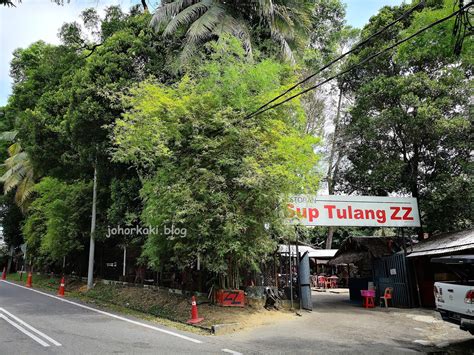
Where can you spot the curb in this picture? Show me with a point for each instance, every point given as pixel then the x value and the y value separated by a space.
pixel 221 329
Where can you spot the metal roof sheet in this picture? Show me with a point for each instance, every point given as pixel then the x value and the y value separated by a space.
pixel 444 244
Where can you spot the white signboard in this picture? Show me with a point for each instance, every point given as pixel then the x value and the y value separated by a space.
pixel 354 211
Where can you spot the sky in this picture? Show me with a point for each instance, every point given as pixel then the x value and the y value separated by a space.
pixel 34 20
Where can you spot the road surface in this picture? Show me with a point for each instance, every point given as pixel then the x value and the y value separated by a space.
pixel 34 322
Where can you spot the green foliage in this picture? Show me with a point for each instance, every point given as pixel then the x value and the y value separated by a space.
pixel 329 33
pixel 409 129
pixel 283 22
pixel 125 202
pixel 11 219
pixel 436 45
pixel 209 170
pixel 57 222
pixel 19 174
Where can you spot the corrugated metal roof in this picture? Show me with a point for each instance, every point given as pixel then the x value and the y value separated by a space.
pixel 444 244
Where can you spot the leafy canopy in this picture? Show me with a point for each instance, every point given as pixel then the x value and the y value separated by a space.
pixel 409 129
pixel 285 22
pixel 58 222
pixel 207 169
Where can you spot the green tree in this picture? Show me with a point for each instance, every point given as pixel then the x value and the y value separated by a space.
pixel 66 97
pixel 11 219
pixel 58 219
pixel 208 170
pixel 282 21
pixel 409 129
pixel 19 174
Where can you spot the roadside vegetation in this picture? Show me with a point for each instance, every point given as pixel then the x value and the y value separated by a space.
pixel 157 305
pixel 159 107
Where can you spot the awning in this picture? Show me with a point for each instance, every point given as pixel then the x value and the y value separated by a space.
pixel 446 243
pixel 348 258
pixel 439 251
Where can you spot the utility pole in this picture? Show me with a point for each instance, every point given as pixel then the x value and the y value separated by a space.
pixel 90 271
pixel 298 266
pixel 290 272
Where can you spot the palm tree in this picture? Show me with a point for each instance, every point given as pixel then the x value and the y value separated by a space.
pixel 19 172
pixel 284 21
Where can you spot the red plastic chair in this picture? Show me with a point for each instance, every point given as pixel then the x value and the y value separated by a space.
pixel 387 295
pixel 333 280
pixel 322 281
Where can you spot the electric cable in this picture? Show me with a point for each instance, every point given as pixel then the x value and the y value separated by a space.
pixel 421 4
pixel 365 60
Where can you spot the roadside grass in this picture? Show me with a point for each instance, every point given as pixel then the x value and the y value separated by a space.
pixel 156 305
pixel 107 298
pixel 153 302
pixel 40 281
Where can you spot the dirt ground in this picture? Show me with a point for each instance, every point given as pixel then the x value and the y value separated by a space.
pixel 177 307
pixel 339 326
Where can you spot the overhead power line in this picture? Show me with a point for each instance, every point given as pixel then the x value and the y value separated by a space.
pixel 421 4
pixel 363 61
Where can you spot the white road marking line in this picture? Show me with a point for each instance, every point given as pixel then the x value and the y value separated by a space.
pixel 18 320
pixel 231 352
pixel 110 314
pixel 23 330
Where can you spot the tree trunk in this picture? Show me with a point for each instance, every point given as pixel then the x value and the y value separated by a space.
pixel 333 168
pixel 145 6
pixel 415 192
pixel 10 259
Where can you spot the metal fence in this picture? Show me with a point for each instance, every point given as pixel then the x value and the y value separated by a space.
pixel 395 271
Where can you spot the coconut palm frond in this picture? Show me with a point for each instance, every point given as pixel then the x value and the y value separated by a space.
pixel 19 175
pixel 239 29
pixel 6 175
pixel 167 11
pixel 285 29
pixel 282 12
pixel 187 16
pixel 19 158
pixel 266 8
pixel 24 190
pixel 285 48
pixel 285 20
pixel 8 136
pixel 11 182
pixel 14 149
pixel 300 18
pixel 204 25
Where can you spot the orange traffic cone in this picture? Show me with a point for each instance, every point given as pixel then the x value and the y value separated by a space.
pixel 4 273
pixel 194 313
pixel 61 288
pixel 29 280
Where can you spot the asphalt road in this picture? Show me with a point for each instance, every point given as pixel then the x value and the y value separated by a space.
pixel 33 322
